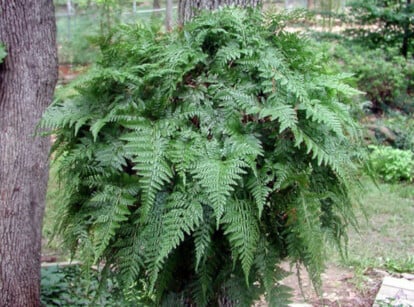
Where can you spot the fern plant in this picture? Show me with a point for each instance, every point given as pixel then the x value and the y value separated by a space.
pixel 191 163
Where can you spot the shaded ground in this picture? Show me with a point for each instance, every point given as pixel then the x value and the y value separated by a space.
pixel 341 288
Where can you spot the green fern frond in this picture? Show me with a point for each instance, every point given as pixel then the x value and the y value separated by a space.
pixel 285 114
pixel 241 228
pixel 183 217
pixel 148 151
pixel 243 146
pixel 218 178
pixel 258 187
pixel 336 83
pixel 202 287
pixel 266 263
pixel 305 224
pixel 202 238
pixel 318 151
pixel 72 113
pixel 127 254
pixel 184 152
pixel 234 99
pixel 229 53
pixel 319 113
pixel 112 209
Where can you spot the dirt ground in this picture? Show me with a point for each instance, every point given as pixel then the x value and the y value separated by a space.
pixel 341 288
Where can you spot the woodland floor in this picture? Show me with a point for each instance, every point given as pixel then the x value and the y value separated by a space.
pixel 341 288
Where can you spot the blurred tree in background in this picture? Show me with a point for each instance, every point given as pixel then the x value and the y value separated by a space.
pixel 384 23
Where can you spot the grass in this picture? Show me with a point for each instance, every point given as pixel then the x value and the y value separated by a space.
pixel 386 234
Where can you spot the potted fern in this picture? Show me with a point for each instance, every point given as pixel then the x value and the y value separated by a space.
pixel 193 162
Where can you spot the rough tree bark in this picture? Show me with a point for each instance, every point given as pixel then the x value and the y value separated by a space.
pixel 187 9
pixel 27 79
pixel 168 14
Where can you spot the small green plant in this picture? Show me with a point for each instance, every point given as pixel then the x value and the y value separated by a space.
pixel 392 164
pixel 191 163
pixel 389 302
pixel 400 265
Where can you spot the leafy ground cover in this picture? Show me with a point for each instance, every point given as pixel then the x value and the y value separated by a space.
pixel 65 286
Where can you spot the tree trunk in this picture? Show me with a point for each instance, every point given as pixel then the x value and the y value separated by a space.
pixel 156 6
pixel 27 79
pixel 134 7
pixel 310 4
pixel 168 14
pixel 69 7
pixel 407 33
pixel 189 8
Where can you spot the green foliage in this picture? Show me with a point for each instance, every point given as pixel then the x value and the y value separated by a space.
pixel 396 129
pixel 194 161
pixel 75 45
pixel 3 52
pixel 403 127
pixel 384 23
pixel 392 164
pixel 67 286
pixel 385 77
pixel 400 266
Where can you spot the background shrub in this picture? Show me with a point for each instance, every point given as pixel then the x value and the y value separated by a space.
pixel 386 77
pixel 69 287
pixel 383 24
pixel 392 164
pixel 399 131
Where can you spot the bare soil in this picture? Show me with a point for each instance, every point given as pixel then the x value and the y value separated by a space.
pixel 340 288
pixel 68 72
